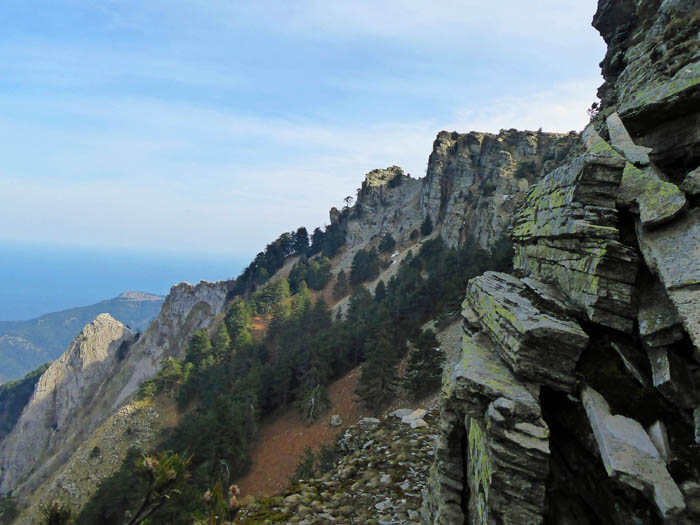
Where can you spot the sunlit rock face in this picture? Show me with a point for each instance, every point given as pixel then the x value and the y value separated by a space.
pixel 64 389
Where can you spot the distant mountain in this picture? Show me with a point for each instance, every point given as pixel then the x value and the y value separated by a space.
pixel 25 345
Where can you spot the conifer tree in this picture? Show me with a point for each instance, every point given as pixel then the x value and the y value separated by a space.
pixel 425 361
pixel 341 285
pixel 387 244
pixel 221 340
pixel 378 380
pixel 380 292
pixel 427 227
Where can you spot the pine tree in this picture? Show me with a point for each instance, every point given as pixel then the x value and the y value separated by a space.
pixel 341 285
pixel 387 244
pixel 425 361
pixel 427 227
pixel 221 340
pixel 199 348
pixel 378 380
pixel 301 241
pixel 380 292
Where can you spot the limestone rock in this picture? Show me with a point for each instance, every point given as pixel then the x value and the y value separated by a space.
pixel 673 253
pixel 63 391
pixel 475 181
pixel 652 72
pixel 646 191
pixel 630 456
pixel 336 420
pixel 481 377
pixel 655 200
pixel 622 142
pixel 534 341
pixel 507 456
pixel 387 202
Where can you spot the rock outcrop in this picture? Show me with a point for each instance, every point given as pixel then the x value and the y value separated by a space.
pixel 95 377
pixel 591 352
pixel 46 430
pixel 473 184
pixel 475 181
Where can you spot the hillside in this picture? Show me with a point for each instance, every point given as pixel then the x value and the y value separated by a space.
pixel 542 287
pixel 25 345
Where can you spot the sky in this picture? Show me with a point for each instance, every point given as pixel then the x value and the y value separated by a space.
pixel 211 126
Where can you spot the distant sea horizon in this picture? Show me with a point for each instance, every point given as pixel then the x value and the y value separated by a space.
pixel 40 277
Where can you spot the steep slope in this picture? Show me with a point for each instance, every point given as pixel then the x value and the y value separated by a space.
pixel 46 426
pixel 576 395
pixel 25 345
pixel 104 387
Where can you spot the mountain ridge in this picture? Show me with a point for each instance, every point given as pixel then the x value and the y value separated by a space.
pixel 26 345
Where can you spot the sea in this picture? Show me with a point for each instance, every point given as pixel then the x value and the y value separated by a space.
pixel 39 278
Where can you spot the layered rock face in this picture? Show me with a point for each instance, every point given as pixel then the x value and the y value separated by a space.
pixel 576 396
pixel 386 202
pixel 186 309
pixel 94 378
pixel 474 183
pixel 64 389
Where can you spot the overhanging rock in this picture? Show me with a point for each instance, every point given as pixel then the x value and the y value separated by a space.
pixel 536 342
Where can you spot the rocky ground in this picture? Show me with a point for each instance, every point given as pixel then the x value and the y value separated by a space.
pixel 378 480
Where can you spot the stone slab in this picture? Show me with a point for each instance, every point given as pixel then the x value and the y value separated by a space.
pixel 629 455
pixel 536 342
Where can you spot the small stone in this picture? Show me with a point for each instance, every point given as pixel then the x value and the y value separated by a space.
pixel 383 505
pixel 336 420
pixel 402 412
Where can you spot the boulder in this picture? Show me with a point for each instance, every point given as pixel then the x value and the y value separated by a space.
pixel 630 456
pixel 336 420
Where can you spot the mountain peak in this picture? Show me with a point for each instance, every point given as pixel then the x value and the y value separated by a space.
pixel 131 295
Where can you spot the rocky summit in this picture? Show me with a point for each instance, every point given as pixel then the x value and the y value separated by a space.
pixel 570 393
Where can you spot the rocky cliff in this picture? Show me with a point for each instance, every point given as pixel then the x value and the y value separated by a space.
pixel 96 376
pixel 576 396
pixel 46 431
pixel 473 184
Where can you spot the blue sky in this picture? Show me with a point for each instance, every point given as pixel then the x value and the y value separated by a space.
pixel 212 126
